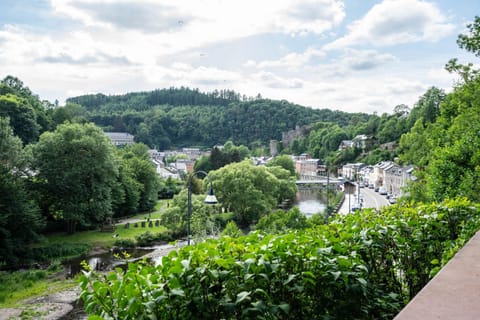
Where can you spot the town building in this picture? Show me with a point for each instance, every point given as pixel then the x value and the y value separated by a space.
pixel 120 138
pixel 397 178
pixel 350 170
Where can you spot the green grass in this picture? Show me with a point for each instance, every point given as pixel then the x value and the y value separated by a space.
pixel 97 238
pixel 156 213
pixel 101 239
pixel 20 285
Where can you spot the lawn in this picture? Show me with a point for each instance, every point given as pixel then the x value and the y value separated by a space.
pixel 155 214
pixel 96 238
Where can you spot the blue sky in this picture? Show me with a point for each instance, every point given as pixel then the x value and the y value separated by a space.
pixel 351 55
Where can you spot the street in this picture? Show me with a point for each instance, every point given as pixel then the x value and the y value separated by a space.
pixel 371 199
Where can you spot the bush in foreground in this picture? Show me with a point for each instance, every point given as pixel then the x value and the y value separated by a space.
pixel 365 265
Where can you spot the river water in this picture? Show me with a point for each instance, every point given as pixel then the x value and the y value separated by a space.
pixel 310 202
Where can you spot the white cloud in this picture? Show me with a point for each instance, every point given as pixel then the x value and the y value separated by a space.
pixel 394 22
pixel 185 24
pixel 364 59
pixel 272 80
pixel 292 60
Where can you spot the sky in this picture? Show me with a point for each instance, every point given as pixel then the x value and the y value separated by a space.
pixel 352 55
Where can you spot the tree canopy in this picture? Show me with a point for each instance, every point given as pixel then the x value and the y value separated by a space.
pixel 252 191
pixel 77 171
pixel 20 219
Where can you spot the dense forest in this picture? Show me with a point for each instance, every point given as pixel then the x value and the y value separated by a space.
pixel 178 117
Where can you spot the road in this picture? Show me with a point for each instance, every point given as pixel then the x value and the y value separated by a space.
pixel 371 199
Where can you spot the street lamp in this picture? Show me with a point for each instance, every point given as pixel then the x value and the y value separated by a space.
pixel 210 199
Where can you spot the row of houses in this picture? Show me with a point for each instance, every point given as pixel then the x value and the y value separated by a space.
pixel 386 174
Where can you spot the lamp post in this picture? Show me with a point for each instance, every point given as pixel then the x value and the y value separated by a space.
pixel 210 199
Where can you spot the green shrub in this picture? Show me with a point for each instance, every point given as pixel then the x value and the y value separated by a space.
pixel 124 243
pixel 58 250
pixel 222 219
pixel 145 239
pixel 365 265
pixel 232 230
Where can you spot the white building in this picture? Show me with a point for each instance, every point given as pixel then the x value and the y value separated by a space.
pixel 120 138
pixel 350 170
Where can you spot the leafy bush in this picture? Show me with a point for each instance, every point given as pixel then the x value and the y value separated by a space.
pixel 145 239
pixel 58 250
pixel 365 265
pixel 222 219
pixel 280 221
pixel 124 243
pixel 148 238
pixel 232 230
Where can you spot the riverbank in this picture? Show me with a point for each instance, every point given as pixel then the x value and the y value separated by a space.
pixel 53 306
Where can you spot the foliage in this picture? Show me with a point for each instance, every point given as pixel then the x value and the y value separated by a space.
pixel 22 117
pixel 446 151
pixel 360 266
pixel 20 219
pixel 232 230
pixel 251 191
pixel 137 159
pixel 221 157
pixel 285 162
pixel 27 114
pixel 76 173
pixel 124 243
pixel 471 43
pixel 186 117
pixel 145 239
pixel 51 252
pixel 202 221
pixel 168 188
pixel 281 221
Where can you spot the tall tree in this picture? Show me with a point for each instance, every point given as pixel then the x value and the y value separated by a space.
pixel 22 117
pixel 77 170
pixel 285 162
pixel 20 219
pixel 250 191
pixel 137 159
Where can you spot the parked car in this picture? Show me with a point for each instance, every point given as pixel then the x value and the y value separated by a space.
pixel 382 191
pixel 370 186
pixel 377 189
pixel 392 200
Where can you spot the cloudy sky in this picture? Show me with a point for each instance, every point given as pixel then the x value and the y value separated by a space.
pixel 351 55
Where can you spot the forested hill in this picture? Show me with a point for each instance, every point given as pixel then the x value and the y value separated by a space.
pixel 144 100
pixel 167 118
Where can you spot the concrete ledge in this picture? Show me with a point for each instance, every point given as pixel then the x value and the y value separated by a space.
pixel 454 293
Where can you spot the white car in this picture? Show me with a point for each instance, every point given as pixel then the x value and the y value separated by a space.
pixel 382 190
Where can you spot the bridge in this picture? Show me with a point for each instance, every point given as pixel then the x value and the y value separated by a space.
pixel 317 183
pixel 318 180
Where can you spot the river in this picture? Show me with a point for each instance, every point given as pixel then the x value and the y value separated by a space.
pixel 310 202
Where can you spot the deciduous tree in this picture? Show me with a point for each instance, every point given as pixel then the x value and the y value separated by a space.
pixel 77 170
